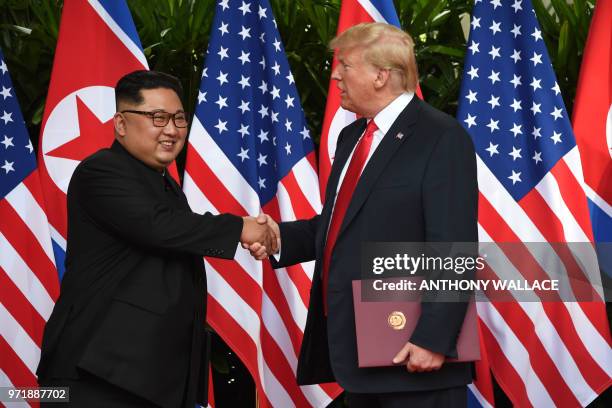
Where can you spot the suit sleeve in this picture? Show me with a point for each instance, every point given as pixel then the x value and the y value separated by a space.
pixel 298 240
pixel 115 199
pixel 450 202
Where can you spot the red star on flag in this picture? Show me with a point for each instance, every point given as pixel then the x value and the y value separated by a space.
pixel 95 135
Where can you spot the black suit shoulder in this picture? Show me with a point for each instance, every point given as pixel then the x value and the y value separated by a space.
pixel 129 200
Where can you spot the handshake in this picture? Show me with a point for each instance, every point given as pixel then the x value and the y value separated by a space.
pixel 261 236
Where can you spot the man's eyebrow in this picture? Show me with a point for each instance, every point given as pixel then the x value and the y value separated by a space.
pixel 163 110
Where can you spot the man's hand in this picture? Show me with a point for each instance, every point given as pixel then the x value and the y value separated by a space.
pixel 259 251
pixel 418 359
pixel 258 234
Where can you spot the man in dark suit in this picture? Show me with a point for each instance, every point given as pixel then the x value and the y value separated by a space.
pixel 403 172
pixel 128 327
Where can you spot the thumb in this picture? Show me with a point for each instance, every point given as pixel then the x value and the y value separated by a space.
pixel 262 219
pixel 402 355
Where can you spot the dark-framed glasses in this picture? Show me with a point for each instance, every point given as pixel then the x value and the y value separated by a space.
pixel 161 118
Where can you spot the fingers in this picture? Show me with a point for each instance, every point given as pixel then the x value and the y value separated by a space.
pixel 258 251
pixel 418 359
pixel 402 355
pixel 264 232
pixel 274 230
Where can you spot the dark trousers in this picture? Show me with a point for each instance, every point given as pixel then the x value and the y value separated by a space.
pixel 445 398
pixel 89 391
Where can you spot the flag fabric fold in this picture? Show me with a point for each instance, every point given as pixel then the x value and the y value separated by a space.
pixel 28 277
pixel 250 150
pixel 530 182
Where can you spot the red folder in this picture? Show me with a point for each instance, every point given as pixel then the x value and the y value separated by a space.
pixel 383 328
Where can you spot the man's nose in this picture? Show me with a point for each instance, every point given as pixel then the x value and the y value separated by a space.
pixel 336 74
pixel 170 128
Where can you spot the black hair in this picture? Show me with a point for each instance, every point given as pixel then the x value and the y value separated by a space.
pixel 129 86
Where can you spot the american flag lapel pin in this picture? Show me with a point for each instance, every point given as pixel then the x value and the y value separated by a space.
pixel 399 136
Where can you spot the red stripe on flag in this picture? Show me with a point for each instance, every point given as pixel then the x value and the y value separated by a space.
pixel 556 313
pixel 573 196
pixel 331 389
pixel 550 226
pixel 281 369
pixel 312 159
pixel 295 272
pixel 277 297
pixel 32 182
pixel 505 374
pixel 238 340
pixel 28 248
pixel 244 285
pixel 301 207
pixel 541 363
pixel 596 312
pixel 21 308
pixel 483 381
pixel 517 253
pixel 546 221
pixel 211 388
pixel 206 180
pixel 302 282
pixel 562 320
pixel 19 374
pixel 250 292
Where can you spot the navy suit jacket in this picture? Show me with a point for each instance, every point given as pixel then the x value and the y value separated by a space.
pixel 420 187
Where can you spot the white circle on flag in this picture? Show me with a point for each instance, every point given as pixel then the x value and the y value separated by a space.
pixel 63 126
pixel 341 119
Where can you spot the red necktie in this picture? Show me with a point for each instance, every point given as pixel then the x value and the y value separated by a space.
pixel 343 199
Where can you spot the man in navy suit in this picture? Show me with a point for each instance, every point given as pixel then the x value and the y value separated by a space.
pixel 404 172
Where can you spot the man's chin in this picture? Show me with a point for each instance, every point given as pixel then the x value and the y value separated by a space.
pixel 166 160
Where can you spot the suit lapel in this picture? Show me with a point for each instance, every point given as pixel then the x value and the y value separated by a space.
pixel 398 133
pixel 340 159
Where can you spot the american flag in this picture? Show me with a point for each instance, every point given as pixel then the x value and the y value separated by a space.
pixel 529 176
pixel 352 12
pixel 250 150
pixel 28 277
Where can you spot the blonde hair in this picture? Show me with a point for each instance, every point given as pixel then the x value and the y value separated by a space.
pixel 384 46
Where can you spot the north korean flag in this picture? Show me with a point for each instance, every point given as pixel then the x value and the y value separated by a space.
pixel 97 45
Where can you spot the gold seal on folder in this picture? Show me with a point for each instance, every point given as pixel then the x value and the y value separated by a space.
pixel 396 320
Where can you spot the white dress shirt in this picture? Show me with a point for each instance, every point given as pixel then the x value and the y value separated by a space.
pixel 384 119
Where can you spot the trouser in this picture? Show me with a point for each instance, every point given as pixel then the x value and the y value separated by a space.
pixel 89 391
pixel 455 397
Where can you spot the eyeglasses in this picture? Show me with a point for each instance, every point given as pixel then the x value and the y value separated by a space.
pixel 161 118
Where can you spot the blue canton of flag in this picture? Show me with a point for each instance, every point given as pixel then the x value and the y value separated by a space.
pixel 510 101
pixel 248 101
pixel 17 159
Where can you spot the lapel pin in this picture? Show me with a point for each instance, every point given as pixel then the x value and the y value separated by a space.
pixel 399 136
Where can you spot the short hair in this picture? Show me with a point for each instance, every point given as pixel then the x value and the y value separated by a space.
pixel 385 46
pixel 129 86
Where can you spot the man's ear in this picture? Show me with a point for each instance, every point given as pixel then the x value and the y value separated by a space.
pixel 119 124
pixel 383 76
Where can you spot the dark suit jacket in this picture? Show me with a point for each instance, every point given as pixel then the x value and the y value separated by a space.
pixel 421 187
pixel 132 302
